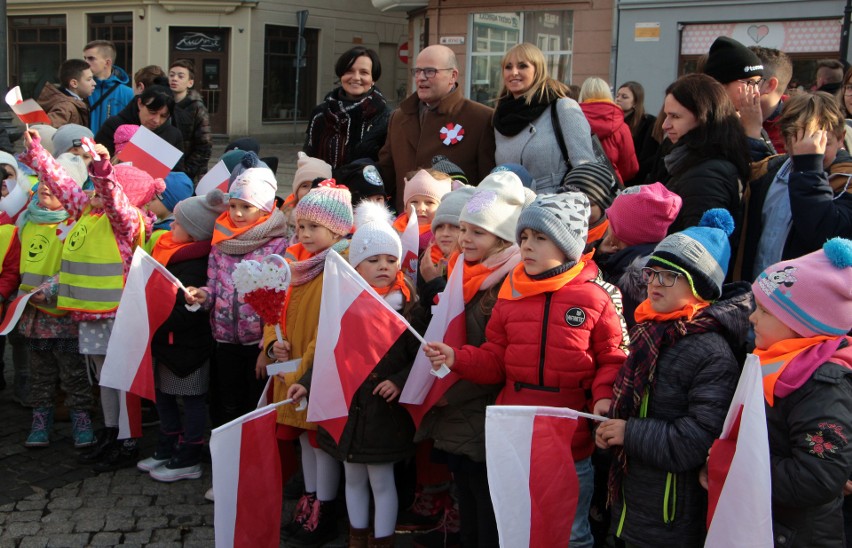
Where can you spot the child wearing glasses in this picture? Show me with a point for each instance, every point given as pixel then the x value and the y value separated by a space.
pixel 671 396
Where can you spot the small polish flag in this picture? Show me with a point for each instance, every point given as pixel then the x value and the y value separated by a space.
pixel 531 474
pixel 13 313
pixel 146 302
pixel 423 389
pixel 739 469
pixel 247 481
pixel 266 397
pixel 217 177
pixel 29 111
pixel 129 416
pixel 151 153
pixel 356 329
pixel 410 246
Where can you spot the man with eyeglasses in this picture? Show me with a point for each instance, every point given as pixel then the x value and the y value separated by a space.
pixel 436 119
pixel 741 72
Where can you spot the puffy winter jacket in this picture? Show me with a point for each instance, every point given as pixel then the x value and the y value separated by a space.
pixel 811 456
pixel 560 349
pixel 113 103
pixel 662 503
pixel 234 321
pixel 194 124
pixel 63 108
pixel 607 122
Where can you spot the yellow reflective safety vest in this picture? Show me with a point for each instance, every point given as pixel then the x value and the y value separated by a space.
pixel 7 234
pixel 41 255
pixel 91 275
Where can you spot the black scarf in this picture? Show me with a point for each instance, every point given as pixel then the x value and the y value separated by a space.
pixel 342 123
pixel 513 115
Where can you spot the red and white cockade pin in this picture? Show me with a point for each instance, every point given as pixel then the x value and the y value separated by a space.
pixel 452 134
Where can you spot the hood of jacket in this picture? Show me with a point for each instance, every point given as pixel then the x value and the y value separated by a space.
pixel 118 75
pixel 604 117
pixel 732 310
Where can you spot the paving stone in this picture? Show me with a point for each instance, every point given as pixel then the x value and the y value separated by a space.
pixel 99 501
pixel 70 490
pixel 187 521
pixel 148 511
pixel 166 535
pixel 57 527
pixel 105 539
pixel 96 524
pixel 139 537
pixel 33 542
pixel 157 522
pixel 7 507
pixel 23 528
pixel 31 505
pixel 68 541
pixel 65 503
pixel 133 501
pixel 29 515
pixel 164 545
pixel 205 534
pixel 127 488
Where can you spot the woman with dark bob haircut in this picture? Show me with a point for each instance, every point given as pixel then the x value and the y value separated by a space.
pixel 352 121
pixel 708 163
pixel 155 109
pixel 631 98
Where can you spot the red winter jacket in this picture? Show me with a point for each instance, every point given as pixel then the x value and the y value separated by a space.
pixel 568 361
pixel 607 122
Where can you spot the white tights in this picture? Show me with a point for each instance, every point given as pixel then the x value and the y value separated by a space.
pixel 321 471
pixel 359 479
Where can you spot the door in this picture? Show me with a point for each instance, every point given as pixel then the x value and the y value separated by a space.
pixel 207 48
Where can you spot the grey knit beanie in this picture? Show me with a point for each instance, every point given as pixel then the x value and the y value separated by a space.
pixel 451 206
pixel 563 217
pixel 197 214
pixel 69 136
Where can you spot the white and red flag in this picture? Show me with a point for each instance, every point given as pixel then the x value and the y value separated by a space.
pixel 13 313
pixel 29 111
pixel 422 389
pixel 739 509
pixel 247 481
pixel 146 302
pixel 531 474
pixel 356 329
pixel 410 238
pixel 150 153
pixel 217 177
pixel 129 416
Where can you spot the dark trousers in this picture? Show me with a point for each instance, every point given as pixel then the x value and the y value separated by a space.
pixel 235 387
pixel 195 416
pixel 478 527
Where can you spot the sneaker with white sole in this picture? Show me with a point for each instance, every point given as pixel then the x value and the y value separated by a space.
pixel 152 462
pixel 185 464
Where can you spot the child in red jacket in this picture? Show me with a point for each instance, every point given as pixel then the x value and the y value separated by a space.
pixel 571 357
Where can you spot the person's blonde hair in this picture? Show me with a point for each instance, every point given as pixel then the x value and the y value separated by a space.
pixel 595 89
pixel 542 84
pixel 809 111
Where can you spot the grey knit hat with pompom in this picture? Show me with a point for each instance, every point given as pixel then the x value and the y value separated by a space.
pixel 197 214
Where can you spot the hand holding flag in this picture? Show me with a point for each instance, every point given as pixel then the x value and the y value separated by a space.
pixel 29 111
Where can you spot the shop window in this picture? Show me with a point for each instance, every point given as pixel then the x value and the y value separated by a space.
pixel 117 28
pixel 36 49
pixel 494 33
pixel 279 74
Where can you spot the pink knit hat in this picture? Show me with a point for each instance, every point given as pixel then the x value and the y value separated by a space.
pixel 308 169
pixel 328 205
pixel 138 185
pixel 643 214
pixel 812 295
pixel 257 186
pixel 423 184
pixel 122 135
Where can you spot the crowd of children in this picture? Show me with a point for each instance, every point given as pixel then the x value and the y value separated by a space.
pixel 580 299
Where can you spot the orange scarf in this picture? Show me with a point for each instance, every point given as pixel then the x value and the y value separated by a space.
pixel 166 247
pixel 775 359
pixel 644 312
pixel 519 285
pixel 289 203
pixel 474 276
pixel 596 233
pixel 296 253
pixel 398 283
pixel 402 222
pixel 225 229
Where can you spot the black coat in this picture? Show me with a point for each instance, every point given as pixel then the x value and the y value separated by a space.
pixel 169 131
pixel 623 269
pixel 379 431
pixel 184 342
pixel 695 381
pixel 645 145
pixel 819 212
pixel 808 477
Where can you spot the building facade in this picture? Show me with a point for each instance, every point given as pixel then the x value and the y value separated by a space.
pixel 244 51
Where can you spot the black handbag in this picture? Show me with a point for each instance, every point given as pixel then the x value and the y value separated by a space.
pixel 597 148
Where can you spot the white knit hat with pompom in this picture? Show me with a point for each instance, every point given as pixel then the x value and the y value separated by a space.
pixel 374 234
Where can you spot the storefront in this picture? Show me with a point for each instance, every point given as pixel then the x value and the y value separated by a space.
pixel 244 52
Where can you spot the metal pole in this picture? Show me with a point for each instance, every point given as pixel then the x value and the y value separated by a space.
pixel 302 19
pixel 844 33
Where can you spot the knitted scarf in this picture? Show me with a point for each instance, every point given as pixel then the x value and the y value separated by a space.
pixel 514 115
pixel 36 214
pixel 273 227
pixel 486 274
pixel 305 271
pixel 342 123
pixel 638 374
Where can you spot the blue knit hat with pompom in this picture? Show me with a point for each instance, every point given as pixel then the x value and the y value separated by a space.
pixel 701 252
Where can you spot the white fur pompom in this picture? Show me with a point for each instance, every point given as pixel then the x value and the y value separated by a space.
pixel 369 212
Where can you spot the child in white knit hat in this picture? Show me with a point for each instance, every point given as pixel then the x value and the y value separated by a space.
pixel 379 431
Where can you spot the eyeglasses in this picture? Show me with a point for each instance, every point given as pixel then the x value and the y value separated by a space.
pixel 667 278
pixel 847 89
pixel 753 83
pixel 428 72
